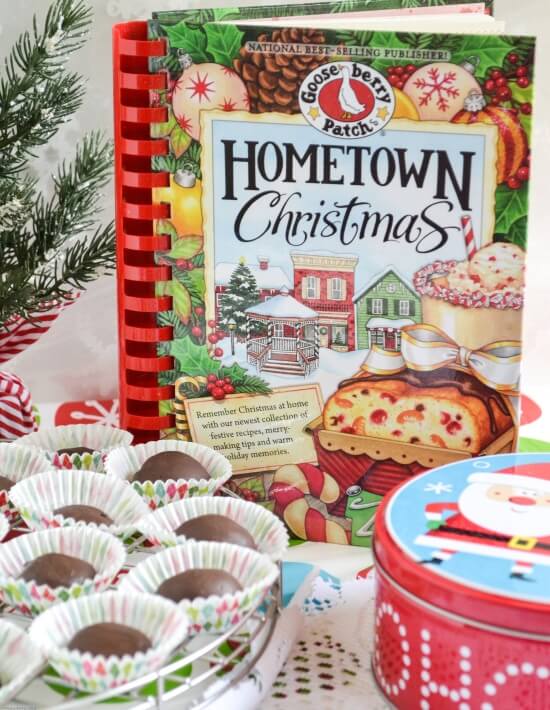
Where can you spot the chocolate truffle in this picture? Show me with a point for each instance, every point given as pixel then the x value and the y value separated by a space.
pixel 110 640
pixel 75 450
pixel 5 483
pixel 198 583
pixel 85 514
pixel 170 465
pixel 57 570
pixel 216 528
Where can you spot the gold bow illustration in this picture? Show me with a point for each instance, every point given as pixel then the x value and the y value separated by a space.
pixel 425 347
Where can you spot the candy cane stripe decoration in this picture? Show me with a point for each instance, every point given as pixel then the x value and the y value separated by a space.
pixel 469 236
pixel 290 486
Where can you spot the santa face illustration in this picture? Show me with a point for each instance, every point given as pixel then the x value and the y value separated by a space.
pixel 502 514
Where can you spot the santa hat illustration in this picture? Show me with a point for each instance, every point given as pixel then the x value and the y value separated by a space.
pixel 535 476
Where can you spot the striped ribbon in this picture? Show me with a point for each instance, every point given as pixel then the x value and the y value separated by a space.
pixel 16 415
pixel 469 236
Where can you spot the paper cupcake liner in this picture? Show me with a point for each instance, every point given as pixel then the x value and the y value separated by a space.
pixel 36 498
pixel 17 463
pixel 20 661
pixel 4 526
pixel 159 619
pixel 101 439
pixel 268 531
pixel 215 614
pixel 125 462
pixel 103 551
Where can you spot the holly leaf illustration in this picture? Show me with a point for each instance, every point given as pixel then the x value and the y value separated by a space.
pixel 490 49
pixel 511 205
pixel 166 406
pixel 179 140
pixel 169 318
pixel 181 298
pixel 385 40
pixel 193 359
pixel 517 233
pixel 162 130
pixel 194 281
pixel 523 96
pixel 186 247
pixel 225 13
pixel 191 40
pixel 164 226
pixel 223 43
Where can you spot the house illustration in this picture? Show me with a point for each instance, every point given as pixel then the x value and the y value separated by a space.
pixel 269 279
pixel 384 306
pixel 325 283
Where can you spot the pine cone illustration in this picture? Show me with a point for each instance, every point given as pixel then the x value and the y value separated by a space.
pixel 273 80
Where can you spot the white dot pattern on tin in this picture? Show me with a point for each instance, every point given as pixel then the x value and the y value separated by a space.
pixel 543 672
pixel 430 687
pixel 425 676
pixel 425 635
pixel 527 668
pixel 386 609
pixel 486 706
pixel 465 666
pixel 465 679
pixel 424 705
pixel 455 696
pixel 490 689
pixel 512 671
pixel 463 706
pixel 425 648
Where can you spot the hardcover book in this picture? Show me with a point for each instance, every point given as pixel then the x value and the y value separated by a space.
pixel 322 243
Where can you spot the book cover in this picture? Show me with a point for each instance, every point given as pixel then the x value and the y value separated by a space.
pixel 348 224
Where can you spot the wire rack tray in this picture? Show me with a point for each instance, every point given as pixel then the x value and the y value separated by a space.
pixel 198 674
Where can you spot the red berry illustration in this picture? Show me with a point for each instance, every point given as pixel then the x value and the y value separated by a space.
pixel 496 74
pixel 218 352
pixel 227 380
pixel 210 386
pixel 523 82
pixel 399 71
pixel 410 68
pixel 181 263
pixel 490 86
pixel 217 393
pixel 213 338
pixel 211 323
pixel 504 93
pixel 522 71
pixel 220 383
pixel 523 174
pixel 513 58
pixel 196 331
pixel 526 109
pixel 199 310
pixel 502 81
pixel 212 377
pixel 394 79
pixel 495 101
pixel 228 389
pixel 514 183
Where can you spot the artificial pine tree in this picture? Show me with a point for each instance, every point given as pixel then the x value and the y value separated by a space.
pixel 242 292
pixel 51 244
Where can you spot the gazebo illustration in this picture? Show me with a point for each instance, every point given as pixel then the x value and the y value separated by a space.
pixel 282 336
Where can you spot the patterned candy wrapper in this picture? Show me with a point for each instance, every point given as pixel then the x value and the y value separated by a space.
pixel 103 551
pixel 101 439
pixel 125 462
pixel 215 614
pixel 36 498
pixel 164 624
pixel 4 526
pixel 20 661
pixel 16 463
pixel 268 531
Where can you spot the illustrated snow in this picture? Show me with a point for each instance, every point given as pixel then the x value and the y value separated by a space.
pixel 282 306
pixel 271 278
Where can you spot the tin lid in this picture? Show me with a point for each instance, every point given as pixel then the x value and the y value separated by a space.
pixel 473 538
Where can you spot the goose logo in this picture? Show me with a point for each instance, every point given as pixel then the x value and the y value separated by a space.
pixel 346 100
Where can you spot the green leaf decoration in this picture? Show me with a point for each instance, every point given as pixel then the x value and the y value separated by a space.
pixel 164 226
pixel 225 13
pixel 186 247
pixel 385 40
pixel 511 205
pixel 490 49
pixel 518 233
pixel 523 96
pixel 169 318
pixel 223 43
pixel 162 130
pixel 533 446
pixel 179 141
pixel 181 301
pixel 194 281
pixel 193 359
pixel 191 40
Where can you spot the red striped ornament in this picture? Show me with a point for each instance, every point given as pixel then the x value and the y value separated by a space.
pixel 16 415
pixel 469 236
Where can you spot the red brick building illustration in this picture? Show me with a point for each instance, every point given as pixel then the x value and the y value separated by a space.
pixel 325 282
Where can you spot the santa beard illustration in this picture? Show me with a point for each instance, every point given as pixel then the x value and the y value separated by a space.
pixel 506 509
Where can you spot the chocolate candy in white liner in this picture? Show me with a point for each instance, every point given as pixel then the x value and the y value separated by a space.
pixel 5 483
pixel 216 528
pixel 57 570
pixel 75 450
pixel 110 639
pixel 85 514
pixel 170 465
pixel 199 583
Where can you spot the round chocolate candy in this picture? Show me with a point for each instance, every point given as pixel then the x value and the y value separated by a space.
pixel 109 639
pixel 199 583
pixel 216 528
pixel 57 570
pixel 5 483
pixel 75 450
pixel 170 465
pixel 85 514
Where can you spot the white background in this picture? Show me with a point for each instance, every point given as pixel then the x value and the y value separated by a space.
pixel 77 359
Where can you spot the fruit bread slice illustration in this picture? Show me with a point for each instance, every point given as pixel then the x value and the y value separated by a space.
pixel 445 408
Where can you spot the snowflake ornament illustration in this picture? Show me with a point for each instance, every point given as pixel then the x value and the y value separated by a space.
pixel 439 488
pixel 438 90
pixel 204 87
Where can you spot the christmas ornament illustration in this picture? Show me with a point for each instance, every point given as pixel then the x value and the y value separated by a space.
pixel 513 145
pixel 272 80
pixel 361 509
pixel 203 87
pixel 438 90
pixel 502 514
pixel 184 198
pixel 404 106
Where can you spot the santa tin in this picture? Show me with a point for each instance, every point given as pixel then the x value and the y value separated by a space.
pixel 463 587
